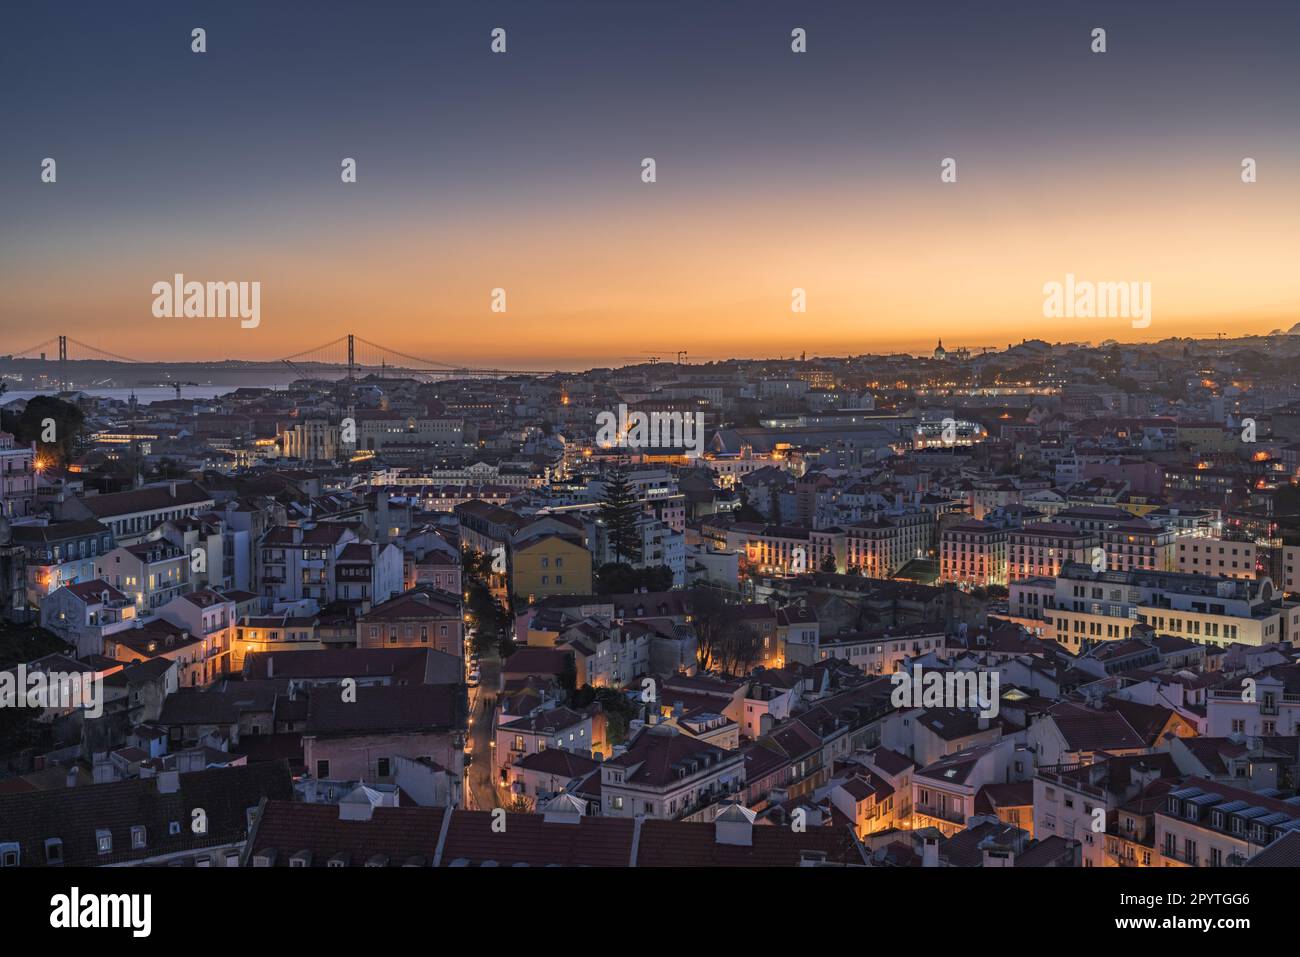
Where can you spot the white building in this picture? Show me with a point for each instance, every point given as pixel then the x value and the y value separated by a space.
pixel 83 613
pixel 1216 611
pixel 152 573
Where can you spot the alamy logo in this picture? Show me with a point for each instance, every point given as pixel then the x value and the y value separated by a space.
pixel 58 690
pixel 214 300
pixel 657 430
pixel 73 910
pixel 952 689
pixel 1084 299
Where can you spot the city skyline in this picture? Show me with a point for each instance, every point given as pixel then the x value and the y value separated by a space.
pixel 775 171
pixel 664 437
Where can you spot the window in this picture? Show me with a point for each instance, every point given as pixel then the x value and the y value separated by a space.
pixel 54 851
pixel 137 837
pixel 9 855
pixel 104 841
pixel 383 767
pixel 322 769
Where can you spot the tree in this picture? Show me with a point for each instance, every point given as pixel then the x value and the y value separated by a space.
pixel 618 708
pixel 622 578
pixel 492 626
pixel 708 611
pixel 31 426
pixel 619 511
pixel 738 646
pixel 828 565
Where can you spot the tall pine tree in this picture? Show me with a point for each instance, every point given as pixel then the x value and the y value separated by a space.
pixel 619 511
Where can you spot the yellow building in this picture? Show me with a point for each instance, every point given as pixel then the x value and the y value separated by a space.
pixel 550 564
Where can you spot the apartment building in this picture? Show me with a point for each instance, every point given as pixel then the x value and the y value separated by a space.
pixel 60 553
pixel 376 429
pixel 787 550
pixel 882 651
pixel 881 545
pixel 1043 547
pixel 1086 803
pixel 208 615
pixel 324 563
pixel 83 613
pixel 359 739
pixel 1263 704
pixel 581 731
pixel 151 572
pixel 973 554
pixel 422 618
pixel 1140 545
pixel 608 655
pixel 943 792
pixel 257 634
pixel 1208 824
pixel 199 660
pixel 550 563
pixel 367 574
pixel 132 515
pixel 1217 557
pixel 666 775
pixel 17 477
pixel 1104 606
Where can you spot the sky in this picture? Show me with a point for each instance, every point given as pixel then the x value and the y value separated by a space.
pixel 523 171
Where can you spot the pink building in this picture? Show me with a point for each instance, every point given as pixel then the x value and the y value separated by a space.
pixel 17 477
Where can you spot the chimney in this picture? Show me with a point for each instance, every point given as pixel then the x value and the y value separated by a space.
pixel 173 489
pixel 169 782
pixel 929 851
pixel 70 780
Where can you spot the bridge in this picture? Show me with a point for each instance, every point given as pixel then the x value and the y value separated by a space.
pixel 349 355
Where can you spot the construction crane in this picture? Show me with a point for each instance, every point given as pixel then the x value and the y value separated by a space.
pixel 177 386
pixel 295 370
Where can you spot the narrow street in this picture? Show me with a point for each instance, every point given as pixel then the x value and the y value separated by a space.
pixel 482 791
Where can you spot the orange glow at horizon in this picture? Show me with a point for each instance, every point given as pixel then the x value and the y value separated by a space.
pixel 611 282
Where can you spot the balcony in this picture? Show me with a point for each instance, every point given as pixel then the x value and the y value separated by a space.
pixel 943 814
